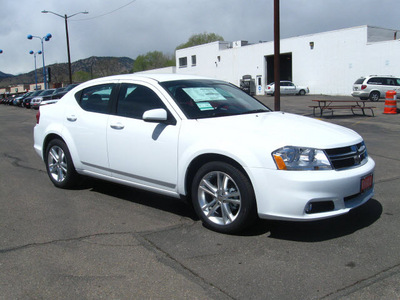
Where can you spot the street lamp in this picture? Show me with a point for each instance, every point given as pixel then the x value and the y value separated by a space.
pixel 47 38
pixel 34 55
pixel 65 17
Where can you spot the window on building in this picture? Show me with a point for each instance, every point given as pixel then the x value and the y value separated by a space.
pixel 193 60
pixel 183 62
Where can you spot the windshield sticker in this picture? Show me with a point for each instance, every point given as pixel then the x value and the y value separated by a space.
pixel 199 94
pixel 204 106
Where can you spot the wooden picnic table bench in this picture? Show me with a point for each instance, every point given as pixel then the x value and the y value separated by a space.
pixel 331 105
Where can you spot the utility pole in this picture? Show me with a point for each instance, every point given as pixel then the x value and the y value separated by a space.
pixel 277 76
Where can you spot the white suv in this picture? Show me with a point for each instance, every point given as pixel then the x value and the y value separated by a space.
pixel 206 141
pixel 374 87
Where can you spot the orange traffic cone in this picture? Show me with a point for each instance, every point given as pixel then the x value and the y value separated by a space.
pixel 390 103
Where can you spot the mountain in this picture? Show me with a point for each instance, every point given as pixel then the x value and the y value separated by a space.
pixel 82 70
pixel 4 75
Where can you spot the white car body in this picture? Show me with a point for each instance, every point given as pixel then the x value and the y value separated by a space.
pixel 287 88
pixel 157 157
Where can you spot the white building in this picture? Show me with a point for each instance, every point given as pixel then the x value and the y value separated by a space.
pixel 328 63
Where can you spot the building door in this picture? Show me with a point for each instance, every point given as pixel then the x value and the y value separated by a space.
pixel 285 67
pixel 259 86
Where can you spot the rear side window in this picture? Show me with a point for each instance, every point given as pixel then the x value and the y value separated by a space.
pixel 95 98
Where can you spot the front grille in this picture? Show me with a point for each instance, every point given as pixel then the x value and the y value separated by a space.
pixel 348 157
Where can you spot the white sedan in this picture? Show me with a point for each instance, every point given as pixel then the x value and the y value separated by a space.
pixel 287 88
pixel 208 142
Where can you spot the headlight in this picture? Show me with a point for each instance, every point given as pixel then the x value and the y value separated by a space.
pixel 297 158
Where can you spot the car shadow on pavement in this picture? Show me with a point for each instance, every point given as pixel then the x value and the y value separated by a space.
pixel 312 231
pixel 157 201
pixel 317 231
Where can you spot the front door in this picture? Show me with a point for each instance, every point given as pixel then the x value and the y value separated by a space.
pixel 140 152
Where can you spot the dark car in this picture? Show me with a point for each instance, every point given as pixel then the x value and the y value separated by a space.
pixel 60 94
pixel 20 100
pixel 27 100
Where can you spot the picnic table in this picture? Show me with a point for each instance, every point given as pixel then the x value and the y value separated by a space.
pixel 332 105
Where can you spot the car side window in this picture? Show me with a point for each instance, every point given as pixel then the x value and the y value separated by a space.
pixel 390 81
pixel 376 81
pixel 134 100
pixel 96 98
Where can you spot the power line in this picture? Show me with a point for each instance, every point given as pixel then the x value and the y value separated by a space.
pixel 105 14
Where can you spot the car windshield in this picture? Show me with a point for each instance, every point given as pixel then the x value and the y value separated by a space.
pixel 47 92
pixel 211 98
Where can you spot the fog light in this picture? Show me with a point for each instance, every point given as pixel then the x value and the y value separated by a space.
pixel 308 208
pixel 319 207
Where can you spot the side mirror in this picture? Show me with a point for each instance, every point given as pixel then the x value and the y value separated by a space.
pixel 155 115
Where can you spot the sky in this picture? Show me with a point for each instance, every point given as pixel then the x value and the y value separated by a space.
pixel 131 28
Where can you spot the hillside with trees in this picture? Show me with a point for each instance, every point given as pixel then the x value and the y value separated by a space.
pixel 82 70
pixel 94 67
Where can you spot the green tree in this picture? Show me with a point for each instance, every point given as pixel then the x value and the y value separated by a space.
pixel 81 76
pixel 153 60
pixel 200 39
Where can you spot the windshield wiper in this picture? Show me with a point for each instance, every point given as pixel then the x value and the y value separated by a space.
pixel 255 111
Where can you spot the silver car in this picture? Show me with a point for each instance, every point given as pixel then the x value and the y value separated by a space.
pixel 374 87
pixel 287 88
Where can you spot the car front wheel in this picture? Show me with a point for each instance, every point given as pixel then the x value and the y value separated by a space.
pixel 302 92
pixel 59 165
pixel 223 197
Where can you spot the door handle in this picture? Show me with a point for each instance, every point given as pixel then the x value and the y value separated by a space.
pixel 72 118
pixel 117 126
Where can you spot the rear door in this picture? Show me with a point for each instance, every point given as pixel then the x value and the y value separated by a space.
pixel 86 121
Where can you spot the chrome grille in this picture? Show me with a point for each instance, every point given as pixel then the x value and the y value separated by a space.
pixel 347 157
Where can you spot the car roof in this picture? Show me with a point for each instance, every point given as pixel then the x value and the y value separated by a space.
pixel 149 77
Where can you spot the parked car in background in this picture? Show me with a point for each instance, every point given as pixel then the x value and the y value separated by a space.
pixel 44 95
pixel 19 100
pixel 27 100
pixel 374 87
pixel 206 141
pixel 59 94
pixel 287 88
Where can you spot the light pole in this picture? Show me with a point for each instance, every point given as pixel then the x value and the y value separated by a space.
pixel 65 17
pixel 47 38
pixel 34 55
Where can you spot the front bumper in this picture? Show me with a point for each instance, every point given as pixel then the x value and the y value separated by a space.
pixel 287 195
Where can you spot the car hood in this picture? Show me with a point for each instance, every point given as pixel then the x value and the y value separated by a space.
pixel 278 129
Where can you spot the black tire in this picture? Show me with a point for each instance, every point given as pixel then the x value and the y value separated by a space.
pixel 211 202
pixel 302 92
pixel 374 96
pixel 59 165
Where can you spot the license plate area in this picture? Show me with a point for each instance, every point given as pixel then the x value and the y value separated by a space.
pixel 367 182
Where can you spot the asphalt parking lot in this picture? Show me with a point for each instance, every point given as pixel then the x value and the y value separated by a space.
pixel 105 241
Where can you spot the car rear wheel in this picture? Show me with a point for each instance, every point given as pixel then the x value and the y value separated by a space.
pixel 59 165
pixel 374 96
pixel 223 197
